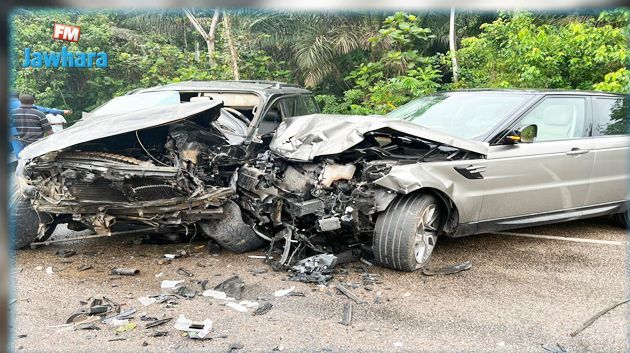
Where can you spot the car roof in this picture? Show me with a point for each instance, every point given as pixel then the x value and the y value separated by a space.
pixel 539 91
pixel 264 87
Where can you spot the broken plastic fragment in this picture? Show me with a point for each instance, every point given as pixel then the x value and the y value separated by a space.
pixel 263 309
pixel 117 322
pixel 158 322
pixel 49 270
pixel 448 270
pixel 233 287
pixel 146 301
pixel 237 307
pixel 169 284
pixel 216 294
pixel 126 328
pixel 200 330
pixel 249 304
pixel 283 292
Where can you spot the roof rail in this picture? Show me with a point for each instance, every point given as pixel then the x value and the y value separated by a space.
pixel 276 84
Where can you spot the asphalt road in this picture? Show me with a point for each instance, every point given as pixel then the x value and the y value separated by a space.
pixel 520 293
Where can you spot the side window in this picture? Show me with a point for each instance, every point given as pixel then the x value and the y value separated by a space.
pixel 271 120
pixel 289 106
pixel 310 104
pixel 557 118
pixel 611 117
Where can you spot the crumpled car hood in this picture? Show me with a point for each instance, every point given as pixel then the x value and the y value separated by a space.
pixel 96 127
pixel 305 137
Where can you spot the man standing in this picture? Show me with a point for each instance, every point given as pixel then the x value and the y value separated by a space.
pixel 30 123
pixel 56 121
pixel 14 103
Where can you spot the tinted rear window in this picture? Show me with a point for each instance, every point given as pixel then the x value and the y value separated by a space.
pixel 611 117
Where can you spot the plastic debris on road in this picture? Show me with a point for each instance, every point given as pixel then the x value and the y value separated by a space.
pixel 237 307
pixel 194 329
pixel 169 284
pixel 146 301
pixel 216 294
pixel 283 292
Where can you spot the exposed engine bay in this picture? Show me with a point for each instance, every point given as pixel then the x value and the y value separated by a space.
pixel 164 177
pixel 330 204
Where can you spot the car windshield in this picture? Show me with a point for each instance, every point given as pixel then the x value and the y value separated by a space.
pixel 133 102
pixel 470 115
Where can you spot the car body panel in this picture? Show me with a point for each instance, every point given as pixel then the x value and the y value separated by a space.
pixel 466 194
pixel 97 127
pixel 610 177
pixel 306 137
pixel 531 178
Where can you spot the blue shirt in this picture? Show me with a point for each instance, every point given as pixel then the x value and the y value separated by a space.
pixel 14 103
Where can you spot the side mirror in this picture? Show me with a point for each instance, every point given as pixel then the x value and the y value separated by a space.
pixel 526 134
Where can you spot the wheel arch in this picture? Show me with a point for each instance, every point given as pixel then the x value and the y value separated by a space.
pixel 450 220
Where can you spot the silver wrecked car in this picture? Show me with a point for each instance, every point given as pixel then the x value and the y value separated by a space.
pixel 453 164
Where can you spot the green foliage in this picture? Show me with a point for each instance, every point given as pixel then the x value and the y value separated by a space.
pixel 135 59
pixel 399 75
pixel 367 63
pixel 518 51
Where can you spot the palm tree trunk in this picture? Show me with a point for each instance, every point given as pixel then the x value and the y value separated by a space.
pixel 233 53
pixel 212 32
pixel 453 46
pixel 209 37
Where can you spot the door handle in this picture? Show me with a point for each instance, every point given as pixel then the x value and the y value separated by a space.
pixel 575 151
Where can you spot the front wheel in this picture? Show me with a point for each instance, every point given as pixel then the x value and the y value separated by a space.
pixel 623 219
pixel 406 233
pixel 23 221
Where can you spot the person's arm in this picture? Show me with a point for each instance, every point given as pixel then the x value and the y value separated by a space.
pixel 54 111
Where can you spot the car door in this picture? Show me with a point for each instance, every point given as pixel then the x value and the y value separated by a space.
pixel 611 146
pixel 551 174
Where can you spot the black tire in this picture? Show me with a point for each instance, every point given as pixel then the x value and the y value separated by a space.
pixel 397 229
pixel 231 232
pixel 623 219
pixel 23 221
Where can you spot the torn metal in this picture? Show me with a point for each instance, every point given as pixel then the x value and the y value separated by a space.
pixel 161 168
pixel 322 189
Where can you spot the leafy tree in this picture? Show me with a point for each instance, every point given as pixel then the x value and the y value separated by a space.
pixel 519 51
pixel 400 74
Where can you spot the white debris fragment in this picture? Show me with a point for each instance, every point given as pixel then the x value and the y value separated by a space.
pixel 216 294
pixel 117 322
pixel 259 257
pixel 169 284
pixel 249 304
pixel 283 292
pixel 170 256
pixel 398 344
pixel 237 307
pixel 501 344
pixel 183 324
pixel 146 301
pixel 159 274
pixel 49 270
pixel 39 268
